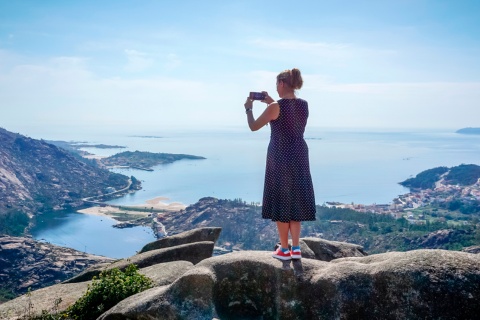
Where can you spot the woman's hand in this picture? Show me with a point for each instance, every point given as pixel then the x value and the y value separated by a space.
pixel 248 104
pixel 267 99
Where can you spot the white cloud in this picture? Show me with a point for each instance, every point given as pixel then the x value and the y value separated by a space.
pixel 137 61
pixel 64 90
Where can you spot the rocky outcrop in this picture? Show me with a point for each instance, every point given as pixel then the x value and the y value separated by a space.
pixel 191 236
pixel 192 252
pixel 338 281
pixel 26 263
pixel 59 297
pixel 421 284
pixel 325 250
pixel 54 298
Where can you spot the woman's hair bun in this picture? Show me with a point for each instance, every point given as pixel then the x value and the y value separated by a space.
pixel 297 81
pixel 293 78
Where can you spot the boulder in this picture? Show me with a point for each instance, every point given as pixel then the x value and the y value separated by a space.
pixel 165 273
pixel 190 298
pixel 193 252
pixel 89 273
pixel 472 249
pixel 191 236
pixel 329 250
pixel 421 284
pixel 36 301
pixel 325 250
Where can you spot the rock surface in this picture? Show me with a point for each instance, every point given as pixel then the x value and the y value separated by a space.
pixel 43 299
pixel 421 284
pixel 26 263
pixel 195 235
pixel 67 293
pixel 325 250
pixel 192 252
pixel 347 284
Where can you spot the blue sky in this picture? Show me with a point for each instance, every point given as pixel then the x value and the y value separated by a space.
pixel 158 64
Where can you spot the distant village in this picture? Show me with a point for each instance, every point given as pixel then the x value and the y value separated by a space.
pixel 404 204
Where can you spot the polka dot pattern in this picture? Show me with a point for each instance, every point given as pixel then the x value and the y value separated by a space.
pixel 288 191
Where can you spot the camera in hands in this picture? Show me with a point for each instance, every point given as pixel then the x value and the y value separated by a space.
pixel 257 95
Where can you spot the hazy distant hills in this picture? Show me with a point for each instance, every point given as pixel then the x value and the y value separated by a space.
pixel 469 131
pixel 36 176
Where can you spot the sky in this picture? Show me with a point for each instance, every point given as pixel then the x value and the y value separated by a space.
pixel 147 66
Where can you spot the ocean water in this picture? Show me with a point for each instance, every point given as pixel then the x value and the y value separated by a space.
pixel 360 166
pixel 347 166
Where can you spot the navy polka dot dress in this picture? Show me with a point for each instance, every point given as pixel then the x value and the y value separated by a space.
pixel 288 192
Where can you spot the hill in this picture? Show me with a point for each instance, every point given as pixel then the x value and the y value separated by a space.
pixel 243 228
pixel 469 131
pixel 36 176
pixel 463 175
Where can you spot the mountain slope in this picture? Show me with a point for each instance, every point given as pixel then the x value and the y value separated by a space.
pixel 36 176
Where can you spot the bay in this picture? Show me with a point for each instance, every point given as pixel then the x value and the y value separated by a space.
pixel 91 234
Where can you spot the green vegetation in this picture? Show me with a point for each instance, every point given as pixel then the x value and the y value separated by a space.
pixel 13 223
pixel 425 179
pixel 375 232
pixel 464 206
pixel 145 160
pixel 464 175
pixel 380 233
pixel 111 287
pixel 6 295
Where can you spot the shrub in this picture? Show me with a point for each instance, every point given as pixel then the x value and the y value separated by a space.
pixel 111 287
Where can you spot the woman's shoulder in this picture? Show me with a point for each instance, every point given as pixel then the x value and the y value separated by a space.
pixel 296 100
pixel 302 101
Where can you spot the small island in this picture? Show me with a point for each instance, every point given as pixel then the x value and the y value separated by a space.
pixel 144 160
pixel 468 131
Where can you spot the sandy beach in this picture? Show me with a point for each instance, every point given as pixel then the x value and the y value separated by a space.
pixel 157 203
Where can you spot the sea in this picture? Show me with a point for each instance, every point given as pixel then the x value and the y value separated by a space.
pixel 347 165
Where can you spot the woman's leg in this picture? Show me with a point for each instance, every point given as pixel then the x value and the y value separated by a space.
pixel 283 228
pixel 295 227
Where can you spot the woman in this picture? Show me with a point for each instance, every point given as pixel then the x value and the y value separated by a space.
pixel 288 196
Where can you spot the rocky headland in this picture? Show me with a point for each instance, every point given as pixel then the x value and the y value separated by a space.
pixel 332 281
